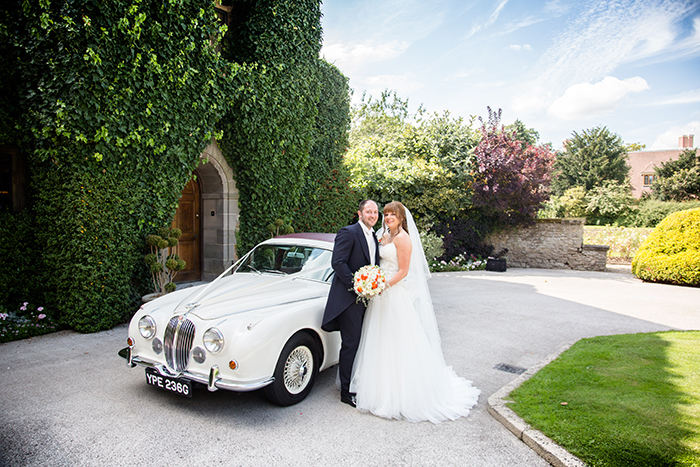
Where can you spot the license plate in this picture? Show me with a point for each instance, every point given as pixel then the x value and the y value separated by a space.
pixel 177 385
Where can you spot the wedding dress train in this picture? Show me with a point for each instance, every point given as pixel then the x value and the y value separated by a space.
pixel 399 370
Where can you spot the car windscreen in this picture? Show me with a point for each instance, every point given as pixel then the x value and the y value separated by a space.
pixel 309 262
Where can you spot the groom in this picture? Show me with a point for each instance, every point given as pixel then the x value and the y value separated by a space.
pixel 355 246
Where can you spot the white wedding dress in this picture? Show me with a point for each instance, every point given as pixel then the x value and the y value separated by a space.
pixel 399 370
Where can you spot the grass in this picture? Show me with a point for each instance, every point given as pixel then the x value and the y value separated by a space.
pixel 626 400
pixel 623 241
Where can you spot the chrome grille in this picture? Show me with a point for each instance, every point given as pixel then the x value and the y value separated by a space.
pixel 177 342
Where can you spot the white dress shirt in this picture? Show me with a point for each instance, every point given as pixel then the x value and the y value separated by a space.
pixel 369 236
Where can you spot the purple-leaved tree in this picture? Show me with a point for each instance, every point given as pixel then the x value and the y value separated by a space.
pixel 511 179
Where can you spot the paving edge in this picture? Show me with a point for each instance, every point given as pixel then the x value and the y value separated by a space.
pixel 535 439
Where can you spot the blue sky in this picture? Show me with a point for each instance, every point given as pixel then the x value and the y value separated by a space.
pixel 559 66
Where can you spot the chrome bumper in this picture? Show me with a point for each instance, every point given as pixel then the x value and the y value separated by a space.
pixel 213 380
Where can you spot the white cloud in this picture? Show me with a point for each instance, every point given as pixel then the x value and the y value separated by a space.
pixel 669 138
pixel 687 97
pixel 518 47
pixel 585 99
pixel 368 51
pixel 609 33
pixel 492 19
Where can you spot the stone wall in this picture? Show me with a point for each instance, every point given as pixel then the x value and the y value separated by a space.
pixel 550 244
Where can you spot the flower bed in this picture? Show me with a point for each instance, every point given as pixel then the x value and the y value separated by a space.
pixel 623 241
pixel 27 321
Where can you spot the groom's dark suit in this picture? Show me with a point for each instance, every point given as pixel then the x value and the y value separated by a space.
pixel 342 313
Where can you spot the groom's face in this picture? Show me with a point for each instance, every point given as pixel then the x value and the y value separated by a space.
pixel 369 214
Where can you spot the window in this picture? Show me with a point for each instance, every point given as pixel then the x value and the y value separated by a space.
pixel 649 179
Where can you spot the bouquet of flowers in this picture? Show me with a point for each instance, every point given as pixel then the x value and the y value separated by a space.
pixel 368 282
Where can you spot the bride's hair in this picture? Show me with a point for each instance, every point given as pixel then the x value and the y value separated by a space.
pixel 398 209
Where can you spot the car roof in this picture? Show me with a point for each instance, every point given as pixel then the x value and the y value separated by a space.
pixel 321 240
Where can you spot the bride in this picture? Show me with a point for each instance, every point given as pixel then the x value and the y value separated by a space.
pixel 399 371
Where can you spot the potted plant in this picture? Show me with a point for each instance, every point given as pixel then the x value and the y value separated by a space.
pixel 163 261
pixel 497 262
pixel 280 227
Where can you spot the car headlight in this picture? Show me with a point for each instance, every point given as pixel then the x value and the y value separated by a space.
pixel 213 340
pixel 147 327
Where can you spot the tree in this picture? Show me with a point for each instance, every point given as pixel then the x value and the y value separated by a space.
pixel 589 158
pixel 528 136
pixel 512 179
pixel 609 202
pixel 678 180
pixel 423 160
pixel 634 147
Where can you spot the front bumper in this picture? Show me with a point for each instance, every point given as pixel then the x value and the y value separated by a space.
pixel 213 380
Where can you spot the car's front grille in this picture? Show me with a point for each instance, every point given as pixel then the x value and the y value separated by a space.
pixel 177 342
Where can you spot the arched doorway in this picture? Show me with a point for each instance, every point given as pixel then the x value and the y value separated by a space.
pixel 209 207
pixel 188 219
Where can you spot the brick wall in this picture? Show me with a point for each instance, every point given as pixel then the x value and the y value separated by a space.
pixel 550 244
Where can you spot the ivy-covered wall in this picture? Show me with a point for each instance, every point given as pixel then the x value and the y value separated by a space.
pixel 268 130
pixel 327 202
pixel 115 104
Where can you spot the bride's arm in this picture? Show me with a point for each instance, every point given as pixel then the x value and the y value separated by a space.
pixel 403 252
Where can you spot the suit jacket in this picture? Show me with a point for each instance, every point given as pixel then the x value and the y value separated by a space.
pixel 350 253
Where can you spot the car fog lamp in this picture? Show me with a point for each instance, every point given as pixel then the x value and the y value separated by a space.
pixel 232 364
pixel 157 346
pixel 213 340
pixel 147 327
pixel 199 355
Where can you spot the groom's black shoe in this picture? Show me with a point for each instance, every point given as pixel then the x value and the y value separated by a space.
pixel 348 400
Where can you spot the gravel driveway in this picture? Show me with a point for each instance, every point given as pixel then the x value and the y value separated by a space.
pixel 68 399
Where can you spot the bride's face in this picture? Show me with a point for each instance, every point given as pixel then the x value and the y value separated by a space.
pixel 391 219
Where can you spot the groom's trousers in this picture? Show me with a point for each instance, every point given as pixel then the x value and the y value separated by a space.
pixel 350 323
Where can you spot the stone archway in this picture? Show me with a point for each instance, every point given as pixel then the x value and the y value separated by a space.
pixel 219 212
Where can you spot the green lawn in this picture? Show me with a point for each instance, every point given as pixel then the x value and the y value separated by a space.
pixel 625 400
pixel 623 241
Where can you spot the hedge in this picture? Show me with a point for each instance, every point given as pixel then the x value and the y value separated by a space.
pixel 671 253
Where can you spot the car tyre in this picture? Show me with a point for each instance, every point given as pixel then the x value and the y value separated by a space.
pixel 295 372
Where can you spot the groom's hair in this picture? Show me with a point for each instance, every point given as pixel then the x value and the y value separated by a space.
pixel 363 202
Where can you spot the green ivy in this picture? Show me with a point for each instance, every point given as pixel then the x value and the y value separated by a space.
pixel 327 202
pixel 116 105
pixel 269 129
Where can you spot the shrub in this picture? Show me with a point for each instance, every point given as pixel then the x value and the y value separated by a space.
pixel 464 235
pixel 650 212
pixel 432 245
pixel 671 253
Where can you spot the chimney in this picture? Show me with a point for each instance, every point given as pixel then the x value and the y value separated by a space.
pixel 685 141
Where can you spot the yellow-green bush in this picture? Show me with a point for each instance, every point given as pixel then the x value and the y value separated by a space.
pixel 671 253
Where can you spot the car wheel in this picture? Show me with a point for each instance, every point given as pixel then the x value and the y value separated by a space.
pixel 295 372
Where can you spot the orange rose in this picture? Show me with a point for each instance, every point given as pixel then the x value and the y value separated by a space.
pixel 359 289
pixel 374 285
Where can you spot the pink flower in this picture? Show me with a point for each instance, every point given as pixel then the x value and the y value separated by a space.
pixel 25 304
pixel 41 316
pixel 41 308
pixel 3 316
pixel 23 308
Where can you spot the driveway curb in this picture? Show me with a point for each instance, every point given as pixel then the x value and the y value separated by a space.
pixel 535 439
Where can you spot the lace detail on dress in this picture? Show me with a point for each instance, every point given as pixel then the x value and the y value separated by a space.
pixel 388 260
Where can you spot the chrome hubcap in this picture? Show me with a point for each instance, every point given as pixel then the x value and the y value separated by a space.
pixel 297 369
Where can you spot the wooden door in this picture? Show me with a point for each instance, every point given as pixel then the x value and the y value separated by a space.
pixel 187 218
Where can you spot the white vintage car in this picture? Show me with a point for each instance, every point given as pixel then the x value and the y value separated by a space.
pixel 258 325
